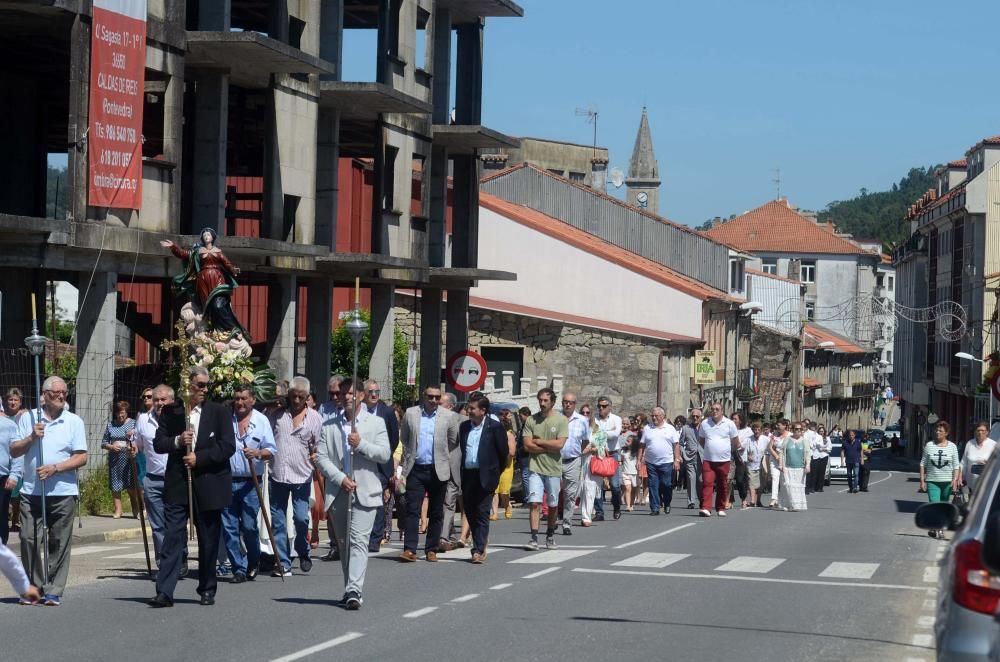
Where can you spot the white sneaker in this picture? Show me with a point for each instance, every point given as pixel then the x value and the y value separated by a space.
pixel 705 513
pixel 722 513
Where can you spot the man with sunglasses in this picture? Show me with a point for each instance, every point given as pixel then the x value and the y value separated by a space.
pixel 201 441
pixel 63 440
pixel 691 453
pixel 431 457
pixel 374 405
pixel 611 423
pixel 571 454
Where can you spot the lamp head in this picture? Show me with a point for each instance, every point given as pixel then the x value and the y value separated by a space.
pixel 356 326
pixel 966 356
pixel 35 344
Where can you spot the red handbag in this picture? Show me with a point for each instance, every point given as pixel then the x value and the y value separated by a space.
pixel 603 467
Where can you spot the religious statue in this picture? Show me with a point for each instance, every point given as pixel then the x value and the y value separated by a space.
pixel 209 279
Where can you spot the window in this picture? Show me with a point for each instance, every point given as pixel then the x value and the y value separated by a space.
pixel 807 271
pixel 879 280
pixel 769 265
pixel 890 283
pixel 576 176
pixel 736 275
pixel 810 311
pixel 888 356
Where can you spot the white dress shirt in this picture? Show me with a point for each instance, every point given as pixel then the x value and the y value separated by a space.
pixel 612 426
pixel 579 431
pixel 145 432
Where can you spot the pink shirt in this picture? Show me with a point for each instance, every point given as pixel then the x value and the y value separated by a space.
pixel 291 464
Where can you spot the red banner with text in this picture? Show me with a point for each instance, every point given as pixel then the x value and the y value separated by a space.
pixel 117 87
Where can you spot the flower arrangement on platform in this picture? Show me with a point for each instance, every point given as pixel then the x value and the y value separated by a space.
pixel 227 360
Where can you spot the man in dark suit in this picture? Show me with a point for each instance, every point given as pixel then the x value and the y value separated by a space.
pixel 204 447
pixel 374 406
pixel 485 450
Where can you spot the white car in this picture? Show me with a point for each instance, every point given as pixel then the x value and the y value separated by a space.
pixel 836 469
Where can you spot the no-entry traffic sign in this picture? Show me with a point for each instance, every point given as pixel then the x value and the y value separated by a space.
pixel 465 371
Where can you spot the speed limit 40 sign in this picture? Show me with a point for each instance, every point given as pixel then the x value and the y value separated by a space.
pixel 465 371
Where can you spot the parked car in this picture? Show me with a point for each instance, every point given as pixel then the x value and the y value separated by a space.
pixel 876 438
pixel 836 469
pixel 968 594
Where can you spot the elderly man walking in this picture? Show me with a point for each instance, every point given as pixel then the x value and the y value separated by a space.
pixel 571 454
pixel 296 433
pixel 692 454
pixel 721 438
pixel 62 439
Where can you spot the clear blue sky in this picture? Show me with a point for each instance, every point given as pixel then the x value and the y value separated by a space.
pixel 840 94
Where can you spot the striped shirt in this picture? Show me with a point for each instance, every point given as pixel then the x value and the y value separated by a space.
pixel 291 465
pixel 940 462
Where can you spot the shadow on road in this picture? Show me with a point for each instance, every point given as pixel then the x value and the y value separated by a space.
pixel 310 601
pixel 839 635
pixel 907 506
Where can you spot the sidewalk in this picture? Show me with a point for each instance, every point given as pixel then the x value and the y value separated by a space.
pixel 98 529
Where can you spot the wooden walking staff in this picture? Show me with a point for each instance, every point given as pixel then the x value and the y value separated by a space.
pixel 263 511
pixel 142 511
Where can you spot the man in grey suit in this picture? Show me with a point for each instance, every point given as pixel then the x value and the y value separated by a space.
pixel 431 457
pixel 691 450
pixel 349 463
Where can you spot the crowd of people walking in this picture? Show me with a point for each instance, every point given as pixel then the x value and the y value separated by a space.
pixel 366 464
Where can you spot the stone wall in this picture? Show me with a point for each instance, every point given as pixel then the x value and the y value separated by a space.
pixel 592 362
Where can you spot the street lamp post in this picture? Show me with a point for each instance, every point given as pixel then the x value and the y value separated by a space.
pixel 356 327
pixel 36 345
pixel 969 357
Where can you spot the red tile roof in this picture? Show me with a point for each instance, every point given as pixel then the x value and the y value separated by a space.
pixel 585 241
pixel 959 163
pixel 992 140
pixel 775 227
pixel 815 334
pixel 930 200
pixel 810 382
pixel 605 196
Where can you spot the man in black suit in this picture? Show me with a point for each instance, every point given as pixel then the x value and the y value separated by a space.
pixel 386 470
pixel 205 448
pixel 485 450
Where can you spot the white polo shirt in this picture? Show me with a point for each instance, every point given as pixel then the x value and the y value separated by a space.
pixel 579 431
pixel 717 438
pixel 659 443
pixel 63 436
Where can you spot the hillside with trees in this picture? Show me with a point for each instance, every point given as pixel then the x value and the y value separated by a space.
pixel 880 215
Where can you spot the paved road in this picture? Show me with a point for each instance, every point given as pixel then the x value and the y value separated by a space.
pixel 846 580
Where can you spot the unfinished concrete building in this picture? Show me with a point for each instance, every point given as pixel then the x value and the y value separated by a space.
pixel 248 128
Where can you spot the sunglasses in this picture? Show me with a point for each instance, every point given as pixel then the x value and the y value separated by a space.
pixel 62 393
pixel 796 429
pixel 569 402
pixel 199 384
pixel 603 405
pixel 334 394
pixel 374 391
pixel 432 397
pixel 147 396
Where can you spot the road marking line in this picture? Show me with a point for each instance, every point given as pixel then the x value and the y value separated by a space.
pixel 655 536
pixel 773 580
pixel 915 659
pixel 930 605
pixel 842 570
pixel 925 640
pixel 465 598
pixel 500 587
pixel 881 480
pixel 130 557
pixel 931 574
pixel 926 622
pixel 420 612
pixel 554 556
pixel 758 564
pixel 305 652
pixel 80 551
pixel 540 573
pixel 652 560
pixel 561 546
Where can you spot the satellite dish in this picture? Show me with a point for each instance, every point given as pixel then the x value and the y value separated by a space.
pixel 617 177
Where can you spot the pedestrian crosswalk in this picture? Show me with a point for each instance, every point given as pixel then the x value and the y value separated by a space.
pixel 651 560
pixel 755 564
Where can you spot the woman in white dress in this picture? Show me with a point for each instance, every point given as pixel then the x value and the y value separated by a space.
pixel 795 456
pixel 774 457
pixel 977 453
pixel 598 446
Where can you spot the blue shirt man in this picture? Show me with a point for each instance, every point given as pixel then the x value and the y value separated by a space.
pixel 425 440
pixel 257 435
pixel 472 453
pixel 64 436
pixel 10 472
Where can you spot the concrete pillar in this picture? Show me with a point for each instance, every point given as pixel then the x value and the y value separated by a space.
pixel 457 329
pixel 210 143
pixel 215 15
pixel 383 329
pixel 282 299
pixel 15 306
pixel 469 74
pixel 327 177
pixel 79 113
pixel 507 379
pixel 465 212
pixel 430 338
pixel 440 36
pixel 319 316
pixel 331 35
pixel 437 189
pixel 277 20
pixel 95 376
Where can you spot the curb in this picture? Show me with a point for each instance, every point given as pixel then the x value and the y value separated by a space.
pixel 85 538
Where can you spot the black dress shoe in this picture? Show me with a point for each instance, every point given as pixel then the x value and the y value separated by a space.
pixel 618 514
pixel 372 549
pixel 332 555
pixel 251 574
pixel 666 510
pixel 207 599
pixel 691 506
pixel 238 579
pixel 599 517
pixel 305 564
pixel 161 600
pixel 184 571
pixel 352 602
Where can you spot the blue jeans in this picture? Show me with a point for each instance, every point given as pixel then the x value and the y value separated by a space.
pixel 661 492
pixel 239 521
pixel 300 516
pixel 852 476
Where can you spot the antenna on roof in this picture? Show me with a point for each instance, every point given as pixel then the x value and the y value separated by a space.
pixel 777 183
pixel 591 114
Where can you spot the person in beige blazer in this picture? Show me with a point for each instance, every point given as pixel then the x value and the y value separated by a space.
pixel 356 473
pixel 431 457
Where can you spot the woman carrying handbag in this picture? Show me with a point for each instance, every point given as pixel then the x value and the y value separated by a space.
pixel 598 467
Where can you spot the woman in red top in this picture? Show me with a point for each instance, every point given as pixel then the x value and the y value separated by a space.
pixel 209 279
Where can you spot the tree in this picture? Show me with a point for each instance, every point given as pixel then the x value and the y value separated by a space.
pixel 342 358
